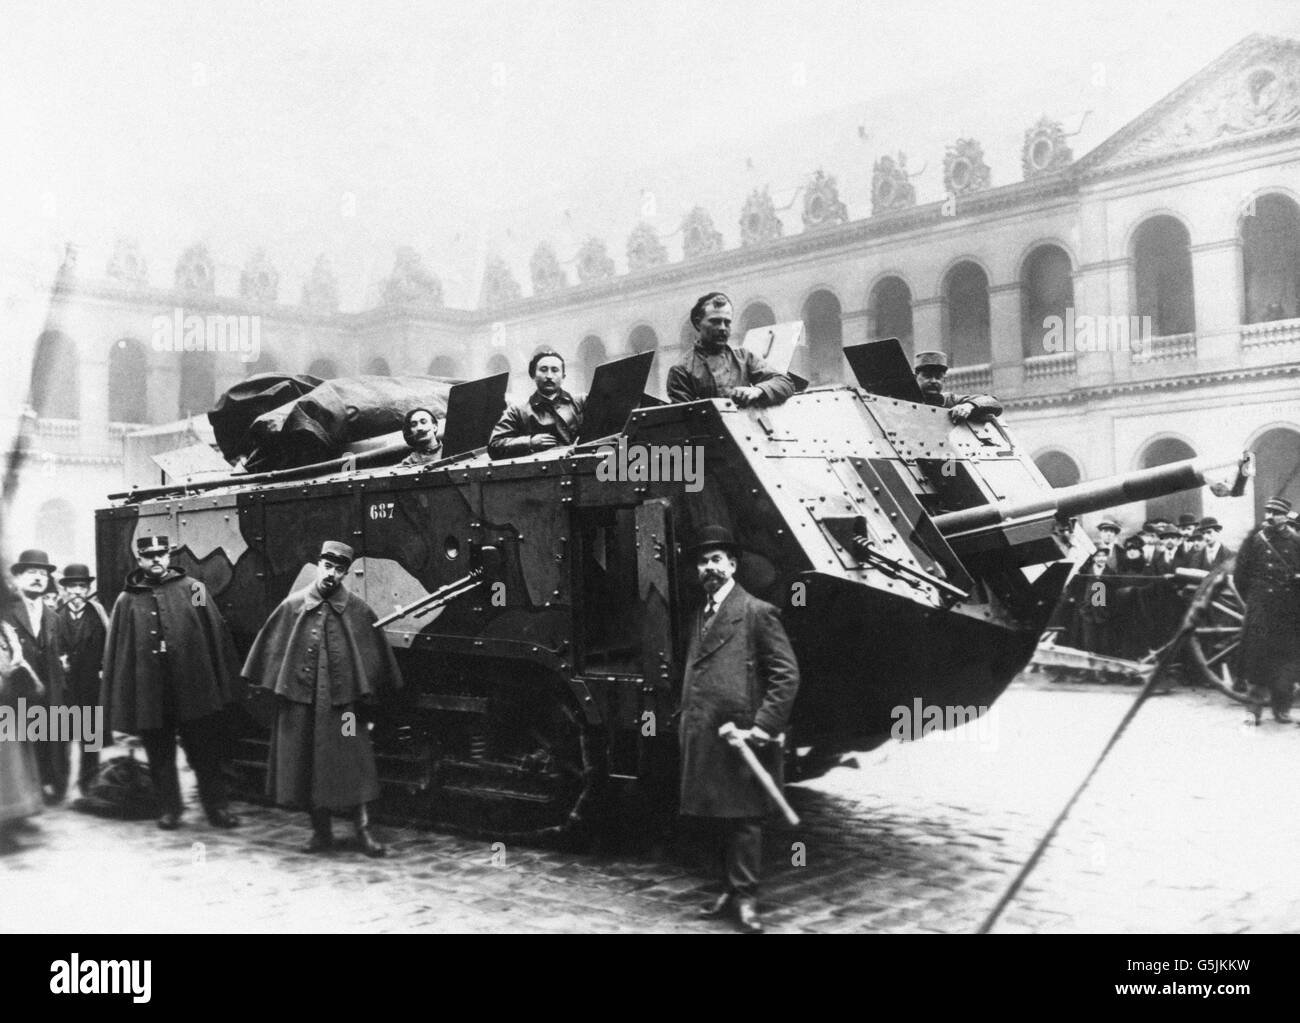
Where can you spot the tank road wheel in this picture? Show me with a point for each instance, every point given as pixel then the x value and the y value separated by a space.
pixel 530 769
pixel 1217 615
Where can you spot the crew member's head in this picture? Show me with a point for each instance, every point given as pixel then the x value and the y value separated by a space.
pixel 931 368
pixel 154 555
pixel 332 565
pixel 1276 510
pixel 31 573
pixel 711 318
pixel 76 580
pixel 420 430
pixel 547 370
pixel 716 555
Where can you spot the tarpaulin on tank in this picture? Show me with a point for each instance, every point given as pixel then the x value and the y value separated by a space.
pixel 319 425
pixel 242 404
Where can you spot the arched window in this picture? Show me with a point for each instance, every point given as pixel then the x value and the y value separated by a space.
pixel 323 368
pixel 54 378
pixel 591 353
pixel 1162 263
pixel 378 367
pixel 966 316
pixel 56 530
pixel 198 383
pixel 756 314
pixel 444 366
pixel 1270 258
pixel 824 335
pixel 1046 290
pixel 128 382
pixel 1188 502
pixel 1058 468
pixel 1277 467
pixel 889 312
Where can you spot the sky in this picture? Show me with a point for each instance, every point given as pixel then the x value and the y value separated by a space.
pixel 462 129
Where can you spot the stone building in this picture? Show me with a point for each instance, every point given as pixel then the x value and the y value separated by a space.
pixel 1133 305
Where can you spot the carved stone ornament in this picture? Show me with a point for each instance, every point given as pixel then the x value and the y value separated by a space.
pixel 758 220
pixel 821 203
pixel 1262 91
pixel 410 282
pixel 259 281
pixel 499 284
pixel 321 290
pixel 890 187
pixel 964 169
pixel 699 238
pixel 644 249
pixel 1045 150
pixel 544 268
pixel 195 270
pixel 126 264
pixel 594 261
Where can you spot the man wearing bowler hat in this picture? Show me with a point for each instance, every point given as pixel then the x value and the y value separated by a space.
pixel 38 634
pixel 170 670
pixel 931 368
pixel 1215 552
pixel 1267 575
pixel 83 629
pixel 322 656
pixel 739 669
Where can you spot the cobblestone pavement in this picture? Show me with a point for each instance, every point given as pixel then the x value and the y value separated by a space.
pixel 1191 825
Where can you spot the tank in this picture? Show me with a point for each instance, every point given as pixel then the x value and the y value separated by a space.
pixel 540 606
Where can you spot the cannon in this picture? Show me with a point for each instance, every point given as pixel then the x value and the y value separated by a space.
pixel 539 606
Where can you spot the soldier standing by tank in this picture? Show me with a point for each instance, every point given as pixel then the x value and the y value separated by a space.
pixel 739 668
pixel 1267 575
pixel 551 416
pixel 713 369
pixel 931 368
pixel 170 668
pixel 38 632
pixel 83 629
pixel 321 654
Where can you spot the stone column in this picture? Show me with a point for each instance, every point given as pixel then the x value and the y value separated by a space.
pixel 1217 280
pixel 1006 351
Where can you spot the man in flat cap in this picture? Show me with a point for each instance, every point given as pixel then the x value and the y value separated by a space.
pixel 321 654
pixel 550 417
pixel 740 669
pixel 1267 575
pixel 38 634
pixel 83 629
pixel 420 431
pixel 1108 540
pixel 931 368
pixel 170 670
pixel 714 369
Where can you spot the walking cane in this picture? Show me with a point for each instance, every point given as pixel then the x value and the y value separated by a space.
pixel 729 732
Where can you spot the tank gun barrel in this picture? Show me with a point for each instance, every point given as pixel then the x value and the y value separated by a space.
pixel 1142 485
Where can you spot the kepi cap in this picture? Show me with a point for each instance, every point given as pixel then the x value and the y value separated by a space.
pixel 336 550
pixel 1277 504
pixel 152 545
pixel 938 360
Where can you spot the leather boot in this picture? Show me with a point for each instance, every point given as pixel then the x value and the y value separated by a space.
pixel 365 840
pixel 322 834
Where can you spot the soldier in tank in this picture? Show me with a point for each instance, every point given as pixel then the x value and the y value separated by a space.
pixel 420 431
pixel 931 368
pixel 714 369
pixel 551 416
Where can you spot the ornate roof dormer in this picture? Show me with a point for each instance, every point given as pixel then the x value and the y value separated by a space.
pixel 259 281
pixel 499 284
pixel 964 169
pixel 545 270
pixel 126 264
pixel 195 270
pixel 594 261
pixel 699 237
pixel 821 203
pixel 410 282
pixel 891 189
pixel 644 249
pixel 758 220
pixel 1045 150
pixel 321 290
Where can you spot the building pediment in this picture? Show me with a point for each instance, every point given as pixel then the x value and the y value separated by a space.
pixel 1253 90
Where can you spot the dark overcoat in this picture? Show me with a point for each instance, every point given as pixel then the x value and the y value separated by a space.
pixel 321 655
pixel 742 670
pixel 41 652
pixel 702 374
pixel 1265 576
pixel 20 777
pixel 166 637
pixel 83 641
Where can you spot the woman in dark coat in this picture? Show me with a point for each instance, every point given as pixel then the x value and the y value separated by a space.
pixel 21 796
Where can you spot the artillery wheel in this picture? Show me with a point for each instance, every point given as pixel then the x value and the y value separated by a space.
pixel 1215 618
